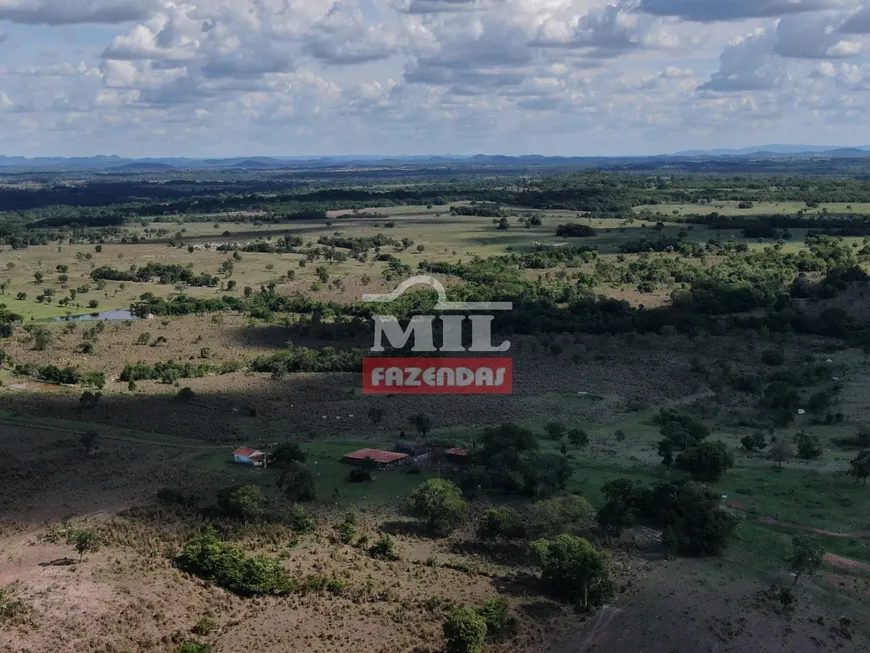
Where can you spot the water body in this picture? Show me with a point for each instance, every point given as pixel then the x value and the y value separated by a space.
pixel 104 315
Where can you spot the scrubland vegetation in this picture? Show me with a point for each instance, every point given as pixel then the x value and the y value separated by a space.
pixel 689 433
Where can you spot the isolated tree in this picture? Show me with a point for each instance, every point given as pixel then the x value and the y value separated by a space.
pixel 42 338
pixel 754 442
pixel 347 529
pixel 806 556
pixel 297 483
pixel 421 422
pixel 439 504
pixel 578 438
pixel 465 631
pixel 89 399
pixel 245 502
pixel 574 569
pixel 708 461
pixel 376 415
pixel 90 440
pixel 780 452
pixel 555 430
pixel 84 541
pixel 808 446
pixel 861 467
pixel 286 453
pixel 38 276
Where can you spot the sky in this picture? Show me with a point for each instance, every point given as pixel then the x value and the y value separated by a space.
pixel 211 78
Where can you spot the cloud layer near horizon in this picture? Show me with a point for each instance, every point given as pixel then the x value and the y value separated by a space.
pixel 222 77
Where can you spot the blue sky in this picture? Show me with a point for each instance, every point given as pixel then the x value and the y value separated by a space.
pixel 319 77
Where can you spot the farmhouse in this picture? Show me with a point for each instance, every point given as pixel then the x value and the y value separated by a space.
pixel 457 455
pixel 381 458
pixel 248 456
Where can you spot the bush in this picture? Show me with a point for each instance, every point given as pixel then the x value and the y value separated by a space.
pixel 754 442
pixel 301 521
pixel 578 438
pixel 347 530
pixel 808 446
pixel 191 646
pixel 226 565
pixel 560 515
pixel 203 627
pixel 465 631
pixel 501 523
pixel 10 607
pixel 439 503
pixel 772 357
pixel 185 394
pixel 384 548
pixel 359 475
pixel 499 621
pixel 242 502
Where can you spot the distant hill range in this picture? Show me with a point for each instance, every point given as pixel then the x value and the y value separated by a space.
pixel 118 165
pixel 784 150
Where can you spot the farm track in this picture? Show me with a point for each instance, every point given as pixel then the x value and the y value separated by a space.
pixel 108 434
pixel 863 534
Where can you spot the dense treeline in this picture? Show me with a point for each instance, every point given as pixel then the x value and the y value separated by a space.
pixel 357 244
pixel 166 273
pixel 34 215
pixel 170 371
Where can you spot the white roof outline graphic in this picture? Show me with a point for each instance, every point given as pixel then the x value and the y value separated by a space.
pixel 443 304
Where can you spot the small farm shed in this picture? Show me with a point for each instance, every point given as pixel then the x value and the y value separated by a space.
pixel 248 456
pixel 382 458
pixel 457 455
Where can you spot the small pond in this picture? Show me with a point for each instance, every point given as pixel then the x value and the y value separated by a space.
pixel 105 315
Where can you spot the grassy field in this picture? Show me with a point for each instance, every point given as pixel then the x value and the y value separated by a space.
pixel 444 237
pixel 329 471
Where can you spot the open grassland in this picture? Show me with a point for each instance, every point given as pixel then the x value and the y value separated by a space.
pixel 164 442
pixel 444 237
pixel 759 208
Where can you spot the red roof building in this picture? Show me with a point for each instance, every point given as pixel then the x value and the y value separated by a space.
pixel 248 456
pixel 457 452
pixel 380 457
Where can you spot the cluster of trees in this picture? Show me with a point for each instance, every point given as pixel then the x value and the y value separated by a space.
pixel 62 376
pixel 304 359
pixel 286 244
pixel 226 565
pixel 689 514
pixel 171 371
pixel 358 243
pixel 508 459
pixel 167 274
pixel 575 230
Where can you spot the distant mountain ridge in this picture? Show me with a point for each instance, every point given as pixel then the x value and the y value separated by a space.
pixel 116 164
pixel 776 150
